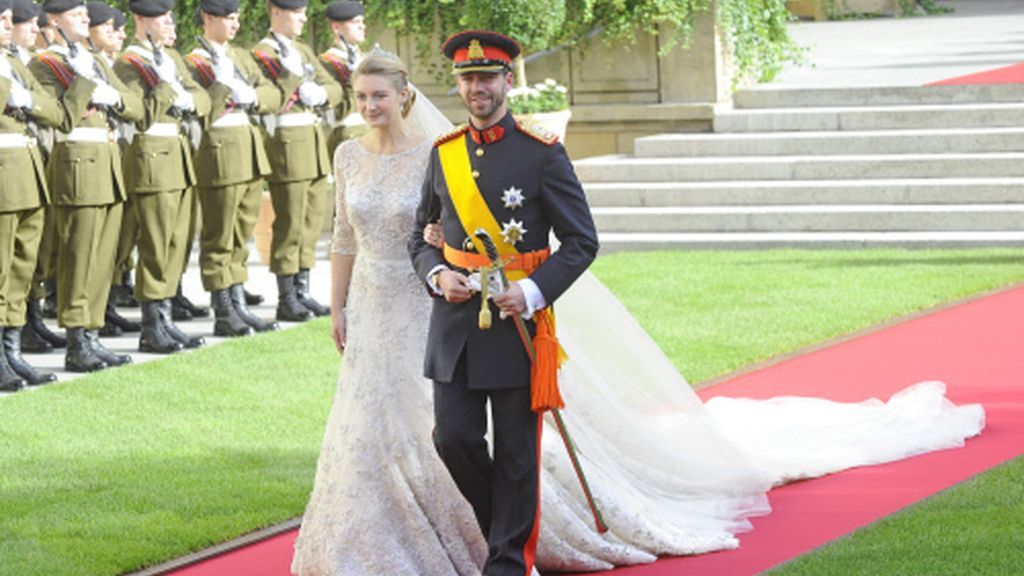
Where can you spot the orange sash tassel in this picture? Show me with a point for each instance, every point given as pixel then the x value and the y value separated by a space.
pixel 549 356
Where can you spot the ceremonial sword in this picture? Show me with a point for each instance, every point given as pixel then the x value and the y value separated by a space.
pixel 497 265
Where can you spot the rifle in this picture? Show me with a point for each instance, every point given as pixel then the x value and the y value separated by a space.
pixel 498 266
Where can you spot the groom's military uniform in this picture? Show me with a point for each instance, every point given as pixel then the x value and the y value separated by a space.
pixel 521 185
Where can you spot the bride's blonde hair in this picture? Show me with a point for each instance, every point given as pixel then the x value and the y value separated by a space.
pixel 381 64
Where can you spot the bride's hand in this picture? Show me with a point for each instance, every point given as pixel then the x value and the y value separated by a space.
pixel 338 329
pixel 433 235
pixel 455 286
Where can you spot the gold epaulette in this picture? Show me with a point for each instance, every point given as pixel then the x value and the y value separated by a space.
pixel 455 133
pixel 537 133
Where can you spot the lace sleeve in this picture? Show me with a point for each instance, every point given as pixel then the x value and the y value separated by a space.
pixel 344 239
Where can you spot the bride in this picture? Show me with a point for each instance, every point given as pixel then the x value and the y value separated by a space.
pixel 671 475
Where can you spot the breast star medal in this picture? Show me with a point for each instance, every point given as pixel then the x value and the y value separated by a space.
pixel 513 198
pixel 513 231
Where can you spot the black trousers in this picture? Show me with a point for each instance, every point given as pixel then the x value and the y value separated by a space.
pixel 504 490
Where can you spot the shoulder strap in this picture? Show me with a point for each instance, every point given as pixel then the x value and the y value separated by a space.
pixel 143 68
pixel 206 73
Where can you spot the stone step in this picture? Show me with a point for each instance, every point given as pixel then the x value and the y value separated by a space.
pixel 834 218
pixel 775 97
pixel 852 118
pixel 614 242
pixel 619 168
pixel 785 192
pixel 933 141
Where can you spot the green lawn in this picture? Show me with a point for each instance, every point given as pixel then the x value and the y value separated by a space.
pixel 130 467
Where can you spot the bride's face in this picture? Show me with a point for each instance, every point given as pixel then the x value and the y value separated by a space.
pixel 378 100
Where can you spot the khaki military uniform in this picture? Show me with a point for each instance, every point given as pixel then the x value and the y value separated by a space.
pixel 298 156
pixel 336 63
pixel 23 191
pixel 230 166
pixel 84 172
pixel 158 172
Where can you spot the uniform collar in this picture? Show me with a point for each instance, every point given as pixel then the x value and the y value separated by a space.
pixel 492 133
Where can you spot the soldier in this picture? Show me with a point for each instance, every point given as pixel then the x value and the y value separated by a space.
pixel 349 31
pixel 35 335
pixel 103 43
pixel 298 156
pixel 23 193
pixel 230 164
pixel 85 178
pixel 158 169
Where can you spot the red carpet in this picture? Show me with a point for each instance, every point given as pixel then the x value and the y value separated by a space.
pixel 1006 75
pixel 976 348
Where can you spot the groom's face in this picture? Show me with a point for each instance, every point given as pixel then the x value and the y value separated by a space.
pixel 484 94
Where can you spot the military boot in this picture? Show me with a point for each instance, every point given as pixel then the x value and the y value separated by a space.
pixel 288 306
pixel 106 355
pixel 49 309
pixel 114 323
pixel 80 357
pixel 123 294
pixel 12 352
pixel 302 291
pixel 34 320
pixel 183 309
pixel 154 338
pixel 227 320
pixel 10 381
pixel 239 300
pixel 166 307
pixel 31 341
pixel 252 299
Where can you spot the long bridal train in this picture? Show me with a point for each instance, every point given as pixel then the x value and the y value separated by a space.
pixel 675 476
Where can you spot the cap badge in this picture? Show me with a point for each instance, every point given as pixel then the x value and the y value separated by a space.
pixel 476 52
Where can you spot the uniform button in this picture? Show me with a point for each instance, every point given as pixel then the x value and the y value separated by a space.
pixel 476 174
pixel 479 152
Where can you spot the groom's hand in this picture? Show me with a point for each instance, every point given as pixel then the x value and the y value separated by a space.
pixel 511 302
pixel 454 285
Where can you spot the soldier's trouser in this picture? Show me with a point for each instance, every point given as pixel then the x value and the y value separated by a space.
pixel 313 227
pixel 20 233
pixel 163 236
pixel 46 262
pixel 87 237
pixel 248 214
pixel 223 245
pixel 193 228
pixel 126 242
pixel 293 245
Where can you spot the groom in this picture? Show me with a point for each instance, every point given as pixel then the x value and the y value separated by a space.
pixel 518 184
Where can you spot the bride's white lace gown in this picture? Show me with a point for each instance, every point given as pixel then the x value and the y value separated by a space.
pixel 671 475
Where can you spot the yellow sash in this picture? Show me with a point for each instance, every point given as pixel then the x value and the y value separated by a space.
pixel 469 202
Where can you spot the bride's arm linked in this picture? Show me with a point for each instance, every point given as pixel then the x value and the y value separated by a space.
pixel 343 254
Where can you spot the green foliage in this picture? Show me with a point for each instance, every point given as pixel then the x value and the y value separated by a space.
pixel 756 29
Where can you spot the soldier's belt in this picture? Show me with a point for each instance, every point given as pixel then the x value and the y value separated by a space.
pixel 296 119
pixel 231 120
pixel 163 130
pixel 86 134
pixel 15 140
pixel 525 261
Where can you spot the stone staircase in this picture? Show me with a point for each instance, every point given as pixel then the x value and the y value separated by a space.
pixel 901 167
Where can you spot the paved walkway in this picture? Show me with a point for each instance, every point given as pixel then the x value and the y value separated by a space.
pixel 979 35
